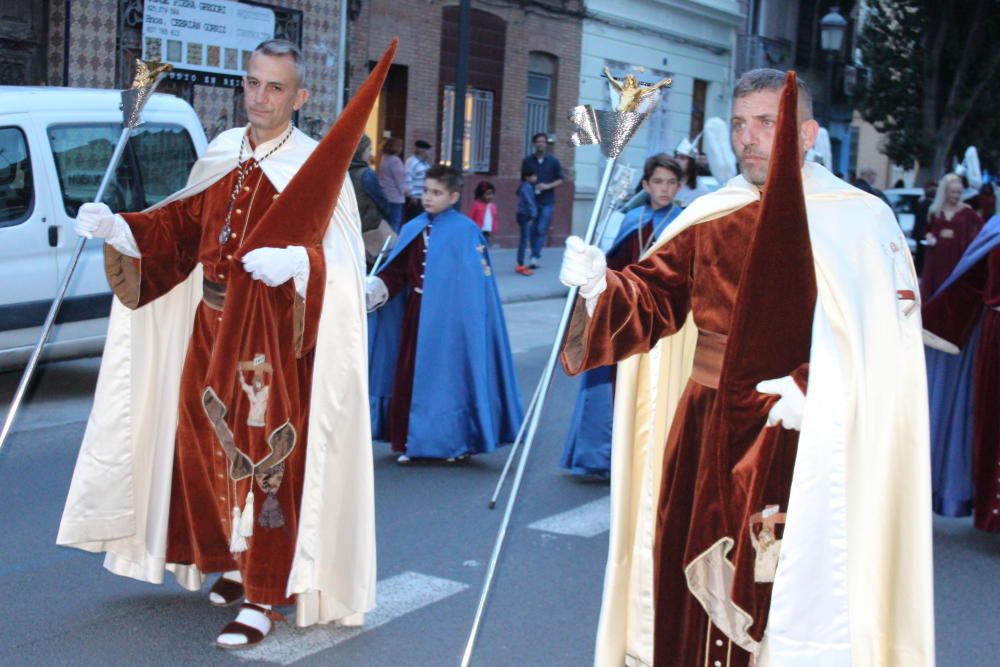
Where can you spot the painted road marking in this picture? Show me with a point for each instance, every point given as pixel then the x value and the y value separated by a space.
pixel 586 520
pixel 396 596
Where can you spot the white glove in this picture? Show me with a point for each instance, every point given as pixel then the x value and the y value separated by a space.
pixel 584 266
pixel 376 293
pixel 275 266
pixel 789 408
pixel 95 220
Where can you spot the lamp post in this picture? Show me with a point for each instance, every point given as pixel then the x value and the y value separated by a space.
pixel 831 38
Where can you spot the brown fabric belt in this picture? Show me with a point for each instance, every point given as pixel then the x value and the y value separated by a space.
pixel 214 294
pixel 708 355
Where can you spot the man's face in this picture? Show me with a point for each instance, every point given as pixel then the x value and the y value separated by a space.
pixel 541 143
pixel 437 198
pixel 422 153
pixel 271 93
pixel 755 118
pixel 662 187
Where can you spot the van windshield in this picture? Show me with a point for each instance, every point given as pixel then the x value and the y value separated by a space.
pixel 155 164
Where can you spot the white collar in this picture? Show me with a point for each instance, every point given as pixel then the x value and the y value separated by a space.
pixel 265 147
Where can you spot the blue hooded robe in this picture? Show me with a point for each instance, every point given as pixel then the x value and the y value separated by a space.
pixel 949 385
pixel 587 450
pixel 465 395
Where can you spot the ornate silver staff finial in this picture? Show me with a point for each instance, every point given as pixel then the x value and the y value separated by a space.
pixel 134 98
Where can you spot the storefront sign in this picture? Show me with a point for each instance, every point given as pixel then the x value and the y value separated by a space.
pixel 208 41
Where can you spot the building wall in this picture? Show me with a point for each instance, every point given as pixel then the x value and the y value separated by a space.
pixel 418 24
pixel 685 41
pixel 93 58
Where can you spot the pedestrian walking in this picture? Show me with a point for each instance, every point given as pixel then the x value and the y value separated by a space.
pixel 549 174
pixel 454 392
pixel 200 458
pixel 392 178
pixel 527 216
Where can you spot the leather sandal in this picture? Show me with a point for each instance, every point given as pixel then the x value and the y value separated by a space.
pixel 253 635
pixel 230 591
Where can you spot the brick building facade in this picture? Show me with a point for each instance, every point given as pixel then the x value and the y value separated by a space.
pixel 96 46
pixel 519 52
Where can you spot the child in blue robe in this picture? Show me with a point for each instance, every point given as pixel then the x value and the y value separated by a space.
pixel 453 391
pixel 588 441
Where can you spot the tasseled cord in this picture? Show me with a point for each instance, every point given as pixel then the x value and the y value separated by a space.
pixel 242 524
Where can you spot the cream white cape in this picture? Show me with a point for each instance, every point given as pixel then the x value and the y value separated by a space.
pixel 854 581
pixel 120 494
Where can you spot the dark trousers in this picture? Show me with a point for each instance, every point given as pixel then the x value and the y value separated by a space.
pixel 541 229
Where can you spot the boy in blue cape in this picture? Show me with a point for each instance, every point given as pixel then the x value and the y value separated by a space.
pixel 453 391
pixel 588 441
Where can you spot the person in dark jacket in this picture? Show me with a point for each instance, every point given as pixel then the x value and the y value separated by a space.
pixel 372 203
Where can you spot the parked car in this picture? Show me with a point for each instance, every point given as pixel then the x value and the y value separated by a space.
pixel 55 144
pixel 902 201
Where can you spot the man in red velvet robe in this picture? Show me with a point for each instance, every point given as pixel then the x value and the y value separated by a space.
pixel 728 543
pixel 236 433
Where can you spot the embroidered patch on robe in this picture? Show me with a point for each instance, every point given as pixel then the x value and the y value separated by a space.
pixel 257 390
pixel 766 543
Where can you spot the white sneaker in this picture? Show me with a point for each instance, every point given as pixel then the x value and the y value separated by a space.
pixel 403 459
pixel 533 263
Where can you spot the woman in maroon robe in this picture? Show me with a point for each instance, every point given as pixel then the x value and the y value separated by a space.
pixel 951 226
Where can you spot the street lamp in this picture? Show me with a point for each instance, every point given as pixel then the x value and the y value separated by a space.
pixel 831 31
pixel 831 38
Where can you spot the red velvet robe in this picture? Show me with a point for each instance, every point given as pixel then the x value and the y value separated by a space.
pixel 172 240
pixel 953 237
pixel 952 316
pixel 406 270
pixel 698 272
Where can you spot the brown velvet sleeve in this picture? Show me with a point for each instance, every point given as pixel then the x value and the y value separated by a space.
pixel 801 377
pixel 307 310
pixel 953 314
pixel 641 305
pixel 168 240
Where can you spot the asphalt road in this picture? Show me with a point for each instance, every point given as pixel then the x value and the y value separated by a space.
pixel 435 535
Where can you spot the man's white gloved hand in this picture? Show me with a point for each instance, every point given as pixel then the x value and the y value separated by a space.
pixel 376 293
pixel 584 266
pixel 789 408
pixel 276 266
pixel 94 221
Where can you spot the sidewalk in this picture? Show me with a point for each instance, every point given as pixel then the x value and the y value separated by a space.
pixel 514 287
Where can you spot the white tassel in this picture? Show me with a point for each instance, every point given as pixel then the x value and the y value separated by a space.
pixel 237 543
pixel 246 522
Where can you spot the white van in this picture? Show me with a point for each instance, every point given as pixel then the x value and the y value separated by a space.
pixel 55 144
